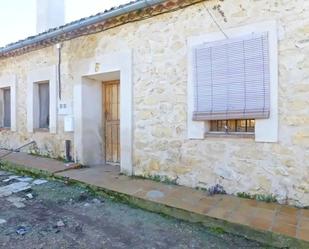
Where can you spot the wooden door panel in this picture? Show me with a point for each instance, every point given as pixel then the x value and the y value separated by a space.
pixel 108 143
pixel 112 121
pixel 115 143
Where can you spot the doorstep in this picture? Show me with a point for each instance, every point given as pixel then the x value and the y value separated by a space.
pixel 270 223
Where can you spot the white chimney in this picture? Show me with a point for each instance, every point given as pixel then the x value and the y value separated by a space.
pixel 50 14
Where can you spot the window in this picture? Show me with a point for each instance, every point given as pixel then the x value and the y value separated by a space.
pixel 233 125
pixel 6 107
pixel 232 82
pixel 238 101
pixel 43 93
pixel 42 99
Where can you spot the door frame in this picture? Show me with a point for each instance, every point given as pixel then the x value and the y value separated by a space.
pixel 87 138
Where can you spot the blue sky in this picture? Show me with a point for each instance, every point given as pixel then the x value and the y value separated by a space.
pixel 18 17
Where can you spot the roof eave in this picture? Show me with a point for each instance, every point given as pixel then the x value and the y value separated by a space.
pixel 75 29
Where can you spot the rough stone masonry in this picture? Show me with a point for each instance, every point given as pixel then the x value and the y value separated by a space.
pixel 160 145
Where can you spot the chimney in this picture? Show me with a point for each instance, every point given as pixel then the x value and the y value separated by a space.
pixel 50 14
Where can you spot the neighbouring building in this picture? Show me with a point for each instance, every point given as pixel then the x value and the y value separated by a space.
pixel 199 92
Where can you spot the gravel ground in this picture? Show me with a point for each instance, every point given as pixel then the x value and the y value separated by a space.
pixel 56 216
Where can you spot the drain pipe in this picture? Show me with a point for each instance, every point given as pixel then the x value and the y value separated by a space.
pixel 58 47
pixel 135 6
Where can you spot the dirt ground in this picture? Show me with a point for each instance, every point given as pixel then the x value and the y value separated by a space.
pixel 56 216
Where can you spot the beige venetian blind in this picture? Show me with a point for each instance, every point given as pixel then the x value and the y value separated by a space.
pixel 232 79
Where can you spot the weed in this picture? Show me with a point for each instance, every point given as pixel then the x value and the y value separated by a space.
pixel 46 155
pixel 158 178
pixel 217 230
pixel 258 197
pixel 244 195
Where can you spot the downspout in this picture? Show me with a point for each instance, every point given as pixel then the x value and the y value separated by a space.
pixel 59 46
pixel 67 146
pixel 83 23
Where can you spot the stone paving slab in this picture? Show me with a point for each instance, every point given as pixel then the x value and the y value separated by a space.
pixel 269 217
pixel 272 223
pixel 14 188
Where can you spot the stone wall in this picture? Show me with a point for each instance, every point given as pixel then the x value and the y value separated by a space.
pixel 47 144
pixel 160 142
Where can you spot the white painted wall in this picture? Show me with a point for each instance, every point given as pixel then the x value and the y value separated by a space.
pixel 92 129
pixel 50 14
pixel 88 102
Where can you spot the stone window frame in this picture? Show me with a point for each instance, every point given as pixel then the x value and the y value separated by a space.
pixel 47 74
pixel 9 81
pixel 266 130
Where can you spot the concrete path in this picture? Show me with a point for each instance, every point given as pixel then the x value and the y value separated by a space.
pixel 278 225
pixel 58 215
pixel 34 162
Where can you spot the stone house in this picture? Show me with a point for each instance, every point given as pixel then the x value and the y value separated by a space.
pixel 198 92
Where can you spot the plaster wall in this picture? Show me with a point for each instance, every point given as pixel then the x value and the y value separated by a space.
pixel 92 130
pixel 50 14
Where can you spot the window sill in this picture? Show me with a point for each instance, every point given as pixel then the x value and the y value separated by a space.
pixel 45 130
pixel 230 135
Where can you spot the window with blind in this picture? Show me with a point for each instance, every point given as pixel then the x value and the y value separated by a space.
pixel 232 79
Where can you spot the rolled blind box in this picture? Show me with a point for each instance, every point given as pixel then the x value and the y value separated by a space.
pixel 232 79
